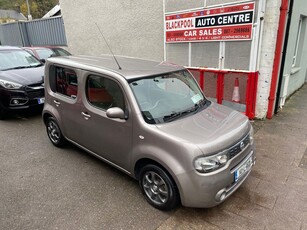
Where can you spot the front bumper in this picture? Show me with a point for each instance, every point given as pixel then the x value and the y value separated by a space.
pixel 204 190
pixel 22 98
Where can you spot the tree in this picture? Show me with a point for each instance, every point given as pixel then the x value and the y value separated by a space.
pixel 43 6
pixel 38 8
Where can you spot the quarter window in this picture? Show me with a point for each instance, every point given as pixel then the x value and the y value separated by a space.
pixel 66 82
pixel 104 93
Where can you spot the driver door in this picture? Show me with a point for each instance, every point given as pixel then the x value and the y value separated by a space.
pixel 109 138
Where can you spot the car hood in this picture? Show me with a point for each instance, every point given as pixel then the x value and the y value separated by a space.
pixel 26 76
pixel 215 128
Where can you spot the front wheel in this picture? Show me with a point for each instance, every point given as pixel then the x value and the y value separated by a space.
pixel 3 113
pixel 54 132
pixel 158 188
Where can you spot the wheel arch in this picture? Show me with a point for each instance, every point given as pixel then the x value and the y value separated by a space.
pixel 46 116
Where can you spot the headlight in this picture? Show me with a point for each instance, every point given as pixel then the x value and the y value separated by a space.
pixel 251 135
pixel 211 163
pixel 9 84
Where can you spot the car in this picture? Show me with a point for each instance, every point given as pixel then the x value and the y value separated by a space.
pixel 152 121
pixel 21 80
pixel 44 52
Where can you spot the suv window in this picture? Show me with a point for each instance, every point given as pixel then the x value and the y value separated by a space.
pixel 66 82
pixel 104 93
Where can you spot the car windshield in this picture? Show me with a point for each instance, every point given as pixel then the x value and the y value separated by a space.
pixel 17 59
pixel 44 53
pixel 168 97
pixel 60 52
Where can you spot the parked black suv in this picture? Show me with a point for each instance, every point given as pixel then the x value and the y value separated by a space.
pixel 21 80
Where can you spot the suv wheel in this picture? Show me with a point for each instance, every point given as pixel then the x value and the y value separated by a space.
pixel 3 113
pixel 54 132
pixel 158 188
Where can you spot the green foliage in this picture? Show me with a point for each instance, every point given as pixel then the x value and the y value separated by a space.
pixel 38 8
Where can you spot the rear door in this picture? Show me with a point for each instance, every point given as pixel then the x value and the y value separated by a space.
pixel 109 138
pixel 64 86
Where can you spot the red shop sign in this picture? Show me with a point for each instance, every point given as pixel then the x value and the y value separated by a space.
pixel 233 22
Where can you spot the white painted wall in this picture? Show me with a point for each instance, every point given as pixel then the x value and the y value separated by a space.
pixel 297 73
pixel 267 55
pixel 132 28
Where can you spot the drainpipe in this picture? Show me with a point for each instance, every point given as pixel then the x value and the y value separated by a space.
pixel 278 53
pixel 284 55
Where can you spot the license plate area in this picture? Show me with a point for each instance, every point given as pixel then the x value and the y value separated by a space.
pixel 41 100
pixel 243 167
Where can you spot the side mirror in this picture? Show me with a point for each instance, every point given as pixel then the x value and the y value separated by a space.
pixel 43 60
pixel 116 112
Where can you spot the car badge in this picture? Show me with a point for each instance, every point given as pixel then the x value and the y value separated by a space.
pixel 242 145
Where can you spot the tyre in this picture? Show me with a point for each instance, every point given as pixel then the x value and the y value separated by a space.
pixel 158 188
pixel 3 113
pixel 54 132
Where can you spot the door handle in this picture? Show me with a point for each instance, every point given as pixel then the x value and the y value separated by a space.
pixel 86 115
pixel 57 103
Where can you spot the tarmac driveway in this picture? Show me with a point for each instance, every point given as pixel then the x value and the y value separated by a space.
pixel 43 187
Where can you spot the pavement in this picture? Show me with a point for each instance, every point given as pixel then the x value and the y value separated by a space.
pixel 43 187
pixel 275 194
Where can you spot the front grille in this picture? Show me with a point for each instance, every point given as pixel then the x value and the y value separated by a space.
pixel 40 84
pixel 36 94
pixel 236 149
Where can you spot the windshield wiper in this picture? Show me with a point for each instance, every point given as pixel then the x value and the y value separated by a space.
pixel 171 116
pixel 175 115
pixel 18 67
pixel 194 109
pixel 200 104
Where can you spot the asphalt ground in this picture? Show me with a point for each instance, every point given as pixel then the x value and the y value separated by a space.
pixel 44 187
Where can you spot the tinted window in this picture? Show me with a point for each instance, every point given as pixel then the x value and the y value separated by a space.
pixel 104 93
pixel 66 81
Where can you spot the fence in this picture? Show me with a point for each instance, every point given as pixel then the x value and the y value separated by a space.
pixel 220 86
pixel 49 31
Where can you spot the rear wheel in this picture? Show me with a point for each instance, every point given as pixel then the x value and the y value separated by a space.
pixel 54 132
pixel 158 187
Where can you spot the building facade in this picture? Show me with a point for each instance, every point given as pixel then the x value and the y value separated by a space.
pixel 138 28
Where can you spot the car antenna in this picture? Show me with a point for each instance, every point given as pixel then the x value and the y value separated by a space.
pixel 108 47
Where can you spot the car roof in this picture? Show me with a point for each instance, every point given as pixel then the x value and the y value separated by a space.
pixel 41 47
pixel 131 68
pixel 9 48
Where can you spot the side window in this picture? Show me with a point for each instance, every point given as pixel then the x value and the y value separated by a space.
pixel 104 93
pixel 66 82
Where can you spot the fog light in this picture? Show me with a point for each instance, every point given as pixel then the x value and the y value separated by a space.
pixel 223 196
pixel 15 102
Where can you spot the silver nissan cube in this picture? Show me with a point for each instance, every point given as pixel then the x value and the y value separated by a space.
pixel 152 121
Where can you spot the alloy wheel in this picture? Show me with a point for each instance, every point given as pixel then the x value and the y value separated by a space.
pixel 53 132
pixel 155 188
